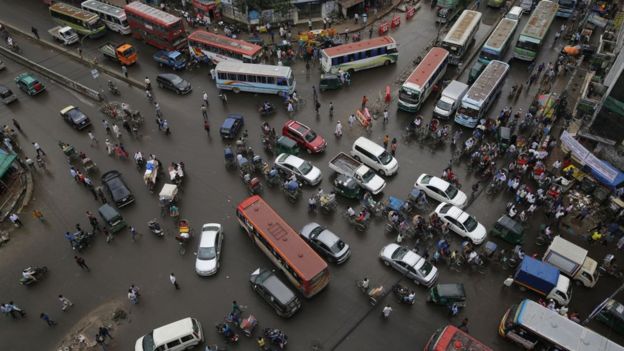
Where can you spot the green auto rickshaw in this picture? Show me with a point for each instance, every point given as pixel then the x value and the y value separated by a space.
pixel 112 219
pixel 330 82
pixel 448 294
pixel 475 71
pixel 612 314
pixel 286 145
pixel 508 230
pixel 347 186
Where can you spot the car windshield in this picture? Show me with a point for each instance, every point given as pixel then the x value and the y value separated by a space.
pixel 310 136
pixel 206 253
pixel 338 246
pixel 426 268
pixel 399 253
pixel 426 179
pixel 148 342
pixel 75 115
pixel 176 80
pixel 368 175
pixel 470 223
pixel 316 231
pixel 443 105
pixel 385 158
pixel 451 191
pixel 305 168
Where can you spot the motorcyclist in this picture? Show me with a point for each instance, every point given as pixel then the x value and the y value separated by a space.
pixel 227 331
pixel 350 212
pixel 29 274
pixel 266 107
pixel 266 128
pixel 363 216
pixel 469 143
pixel 148 84
pixel 409 298
pixel 365 283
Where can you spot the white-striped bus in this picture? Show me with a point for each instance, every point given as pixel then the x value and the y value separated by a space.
pixel 360 55
pixel 114 17
pixel 535 31
pixel 497 44
pixel 255 78
pixel 206 46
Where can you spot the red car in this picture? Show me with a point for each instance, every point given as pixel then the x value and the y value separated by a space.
pixel 304 136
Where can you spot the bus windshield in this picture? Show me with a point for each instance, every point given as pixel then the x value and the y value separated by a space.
pixel 488 56
pixel 470 112
pixel 409 95
pixel 528 45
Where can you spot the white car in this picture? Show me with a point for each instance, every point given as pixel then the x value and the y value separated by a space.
pixel 408 262
pixel 209 250
pixel 441 190
pixel 302 169
pixel 461 222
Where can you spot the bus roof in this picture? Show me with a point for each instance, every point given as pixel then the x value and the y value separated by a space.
pixel 73 11
pixel 540 20
pixel 282 237
pixel 427 66
pixel 453 339
pixel 223 42
pixel 359 46
pixel 561 330
pixel 459 33
pixel 106 8
pixel 264 70
pixel 502 32
pixel 486 82
pixel 152 13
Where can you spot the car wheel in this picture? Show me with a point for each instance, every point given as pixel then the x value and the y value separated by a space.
pixel 386 62
pixel 382 172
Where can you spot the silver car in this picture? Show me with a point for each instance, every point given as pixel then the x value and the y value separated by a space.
pixel 409 263
pixel 209 250
pixel 325 242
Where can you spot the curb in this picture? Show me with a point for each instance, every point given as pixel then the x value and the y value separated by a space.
pixel 75 57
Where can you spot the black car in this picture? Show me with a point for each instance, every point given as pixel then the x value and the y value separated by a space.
pixel 231 126
pixel 6 95
pixel 75 117
pixel 117 188
pixel 173 82
pixel 274 292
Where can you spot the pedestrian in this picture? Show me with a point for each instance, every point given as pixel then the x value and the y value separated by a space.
pixel 80 52
pixel 165 127
pixel 104 332
pixel 393 146
pixel 386 311
pixel 204 111
pixel 463 325
pixel 16 124
pixel 557 35
pixel 102 197
pixel 317 107
pixel 331 109
pixel 116 131
pixel 207 126
pixel 157 108
pixel 93 141
pixel 385 116
pixel 309 24
pixel 47 319
pixel 94 192
pixel 386 140
pixel 556 166
pixel 35 32
pixel 148 83
pixel 38 149
pixel 290 108
pixel 475 189
pixel 132 296
pixel 356 17
pixel 14 308
pixel 338 130
pixel 109 236
pixel 81 263
pixel 174 281
pixel 38 215
pixel 205 98
pixel 109 147
pixel 135 289
pixel 351 120
pixel 14 218
pixel 99 339
pixel 65 303
pixel 124 69
pixel 133 233
pixel 364 101
pixel 370 32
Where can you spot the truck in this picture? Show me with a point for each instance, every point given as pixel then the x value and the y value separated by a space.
pixel 449 9
pixel 543 279
pixel 450 99
pixel 363 175
pixel 572 260
pixel 64 34
pixel 122 53
pixel 172 59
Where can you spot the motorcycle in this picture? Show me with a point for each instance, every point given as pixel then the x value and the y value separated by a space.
pixel 155 228
pixel 81 240
pixel 276 337
pixel 266 110
pixel 359 221
pixel 404 294
pixel 247 325
pixel 37 272
pixel 227 332
pixel 112 88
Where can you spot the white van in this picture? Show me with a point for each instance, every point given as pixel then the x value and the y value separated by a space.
pixel 515 13
pixel 374 156
pixel 176 336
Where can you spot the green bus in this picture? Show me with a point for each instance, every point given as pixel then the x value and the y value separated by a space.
pixel 534 33
pixel 83 22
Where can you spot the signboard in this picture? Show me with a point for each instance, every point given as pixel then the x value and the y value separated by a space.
pixel 584 157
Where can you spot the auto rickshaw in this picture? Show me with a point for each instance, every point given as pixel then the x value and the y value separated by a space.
pixel 508 230
pixel 112 219
pixel 286 145
pixel 448 294
pixel 69 151
pixel 88 165
pixel 612 314
pixel 475 71
pixel 347 186
pixel 330 82
pixel 504 138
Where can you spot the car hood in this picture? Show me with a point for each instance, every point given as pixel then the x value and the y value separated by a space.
pixel 460 199
pixel 314 174
pixel 376 185
pixel 205 266
pixel 183 85
pixel 318 143
pixel 478 235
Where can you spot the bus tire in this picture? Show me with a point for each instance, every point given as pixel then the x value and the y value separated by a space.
pixel 351 71
pixel 386 62
pixel 236 90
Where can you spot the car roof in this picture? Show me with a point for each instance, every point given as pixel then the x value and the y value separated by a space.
pixel 457 213
pixel 110 174
pixel 169 76
pixel 208 236
pixel 171 331
pixel 327 237
pixel 438 183
pixel 292 160
pixel 411 258
pixel 278 289
pixel 297 126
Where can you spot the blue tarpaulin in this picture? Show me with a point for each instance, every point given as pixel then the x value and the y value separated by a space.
pixel 613 184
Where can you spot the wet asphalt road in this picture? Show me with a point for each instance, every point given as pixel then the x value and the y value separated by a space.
pixel 339 318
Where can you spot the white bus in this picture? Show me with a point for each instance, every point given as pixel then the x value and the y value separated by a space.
pixel 419 84
pixel 535 327
pixel 380 51
pixel 482 93
pixel 461 35
pixel 114 17
pixel 256 78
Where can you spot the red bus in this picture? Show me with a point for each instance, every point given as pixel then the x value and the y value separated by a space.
pixel 207 46
pixel 450 338
pixel 158 28
pixel 305 269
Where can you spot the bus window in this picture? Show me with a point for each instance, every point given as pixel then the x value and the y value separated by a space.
pixel 231 76
pixel 251 79
pixel 262 79
pixel 282 81
pixel 270 80
pixel 242 77
pixel 382 50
